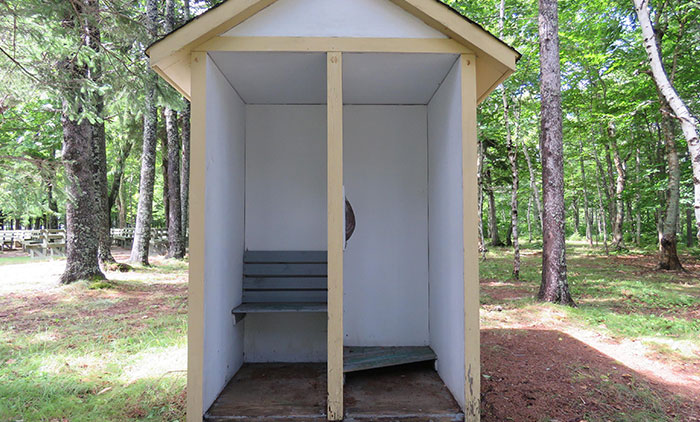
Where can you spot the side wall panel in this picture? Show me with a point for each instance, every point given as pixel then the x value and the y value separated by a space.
pixel 446 260
pixel 224 231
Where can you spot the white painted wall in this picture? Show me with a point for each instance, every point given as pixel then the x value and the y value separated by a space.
pixel 286 337
pixel 445 233
pixel 334 18
pixel 386 266
pixel 286 177
pixel 224 234
pixel 286 210
pixel 386 261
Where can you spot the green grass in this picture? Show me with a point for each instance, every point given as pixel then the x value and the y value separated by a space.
pixel 618 296
pixel 109 354
pixel 11 260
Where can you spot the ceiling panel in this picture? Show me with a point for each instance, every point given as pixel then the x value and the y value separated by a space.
pixel 300 78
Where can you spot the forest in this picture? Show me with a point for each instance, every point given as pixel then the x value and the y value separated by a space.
pixel 75 71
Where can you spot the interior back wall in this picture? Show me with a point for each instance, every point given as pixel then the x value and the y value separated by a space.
pixel 385 172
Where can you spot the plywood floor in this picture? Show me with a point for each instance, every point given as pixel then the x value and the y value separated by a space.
pixel 284 392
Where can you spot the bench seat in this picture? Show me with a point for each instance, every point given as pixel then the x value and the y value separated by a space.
pixel 284 281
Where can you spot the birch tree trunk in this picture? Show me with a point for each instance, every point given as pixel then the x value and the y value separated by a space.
pixel 687 121
pixel 554 287
pixel 480 199
pixel 669 241
pixel 144 213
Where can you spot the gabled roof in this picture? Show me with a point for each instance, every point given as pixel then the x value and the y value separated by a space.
pixel 169 56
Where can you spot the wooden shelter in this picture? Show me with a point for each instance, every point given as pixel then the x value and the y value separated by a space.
pixel 296 104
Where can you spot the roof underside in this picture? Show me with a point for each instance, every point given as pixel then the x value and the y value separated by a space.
pixel 416 22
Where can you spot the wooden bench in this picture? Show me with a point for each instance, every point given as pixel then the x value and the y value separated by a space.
pixel 284 281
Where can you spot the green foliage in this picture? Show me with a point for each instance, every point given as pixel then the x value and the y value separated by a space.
pixel 607 97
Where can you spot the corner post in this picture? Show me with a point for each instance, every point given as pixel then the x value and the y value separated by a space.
pixel 472 368
pixel 195 317
pixel 336 232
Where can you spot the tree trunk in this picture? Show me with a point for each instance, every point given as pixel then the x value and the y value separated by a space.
pixel 586 214
pixel 480 198
pixel 164 169
pixel 105 253
pixel 185 171
pixel 687 121
pixel 144 213
pixel 512 149
pixel 509 235
pixel 121 206
pixel 124 153
pixel 82 215
pixel 93 41
pixel 176 245
pixel 668 241
pixel 638 200
pixel 554 287
pixel 689 227
pixel 620 180
pixel 493 219
pixel 52 216
pixel 575 212
pixel 185 168
pixel 602 220
pixel 533 186
pixel 529 219
pixel 82 211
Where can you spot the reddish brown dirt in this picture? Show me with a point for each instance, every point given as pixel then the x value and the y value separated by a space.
pixel 505 291
pixel 533 375
pixel 34 311
pixel 649 264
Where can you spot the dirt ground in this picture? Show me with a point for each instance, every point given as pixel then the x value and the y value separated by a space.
pixel 536 364
pixel 539 366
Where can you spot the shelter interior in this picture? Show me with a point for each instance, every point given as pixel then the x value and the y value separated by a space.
pixel 266 158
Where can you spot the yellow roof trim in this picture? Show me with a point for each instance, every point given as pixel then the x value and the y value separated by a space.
pixel 169 56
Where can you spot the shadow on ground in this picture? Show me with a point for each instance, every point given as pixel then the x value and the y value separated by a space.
pixel 546 375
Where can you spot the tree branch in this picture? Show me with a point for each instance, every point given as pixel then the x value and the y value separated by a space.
pixel 18 64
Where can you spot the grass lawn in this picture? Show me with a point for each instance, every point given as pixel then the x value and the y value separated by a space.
pixel 100 352
pixel 630 351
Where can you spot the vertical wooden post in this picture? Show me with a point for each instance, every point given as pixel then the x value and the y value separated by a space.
pixel 336 232
pixel 472 388
pixel 195 318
